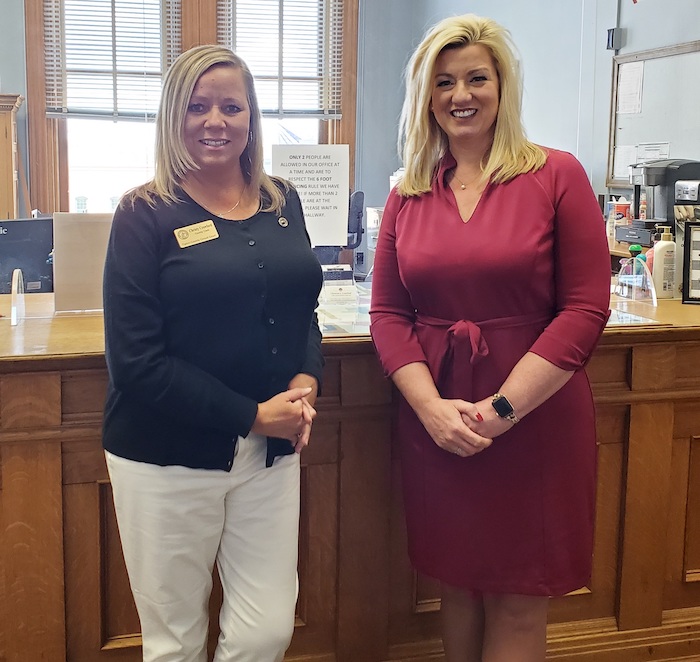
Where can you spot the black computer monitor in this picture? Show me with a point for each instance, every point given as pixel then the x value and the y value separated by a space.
pixel 27 244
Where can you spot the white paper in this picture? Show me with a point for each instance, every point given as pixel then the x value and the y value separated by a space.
pixel 629 87
pixel 625 156
pixel 652 151
pixel 321 175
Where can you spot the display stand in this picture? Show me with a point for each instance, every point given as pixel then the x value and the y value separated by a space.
pixel 17 298
pixel 338 284
pixel 634 282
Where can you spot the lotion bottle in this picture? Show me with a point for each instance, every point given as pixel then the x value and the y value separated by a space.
pixel 664 266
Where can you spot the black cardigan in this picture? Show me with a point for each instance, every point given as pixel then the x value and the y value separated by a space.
pixel 195 337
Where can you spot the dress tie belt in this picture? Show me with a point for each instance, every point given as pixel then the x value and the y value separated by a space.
pixel 463 346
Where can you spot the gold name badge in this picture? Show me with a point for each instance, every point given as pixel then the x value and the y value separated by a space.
pixel 197 233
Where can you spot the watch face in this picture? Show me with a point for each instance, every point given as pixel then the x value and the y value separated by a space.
pixel 502 406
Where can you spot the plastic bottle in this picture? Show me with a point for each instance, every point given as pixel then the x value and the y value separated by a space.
pixel 642 205
pixel 664 265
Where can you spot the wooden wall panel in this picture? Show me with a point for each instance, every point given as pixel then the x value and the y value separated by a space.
pixel 314 633
pixel 31 548
pixel 118 617
pixel 29 400
pixel 608 368
pixel 687 362
pixel 64 593
pixel 677 522
pixel 414 620
pixel 363 537
pixel 691 562
pixel 598 600
pixel 645 515
pixel 4 602
pixel 101 621
pixel 653 368
pixel 83 395
pixel 682 589
pixel 363 383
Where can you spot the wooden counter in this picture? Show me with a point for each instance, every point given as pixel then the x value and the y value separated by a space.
pixel 64 594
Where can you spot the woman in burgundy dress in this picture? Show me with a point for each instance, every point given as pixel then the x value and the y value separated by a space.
pixel 490 291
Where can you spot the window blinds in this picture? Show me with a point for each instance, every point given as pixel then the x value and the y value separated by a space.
pixel 294 50
pixel 106 58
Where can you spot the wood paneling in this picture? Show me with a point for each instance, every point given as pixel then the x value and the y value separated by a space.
pixel 31 550
pixel 645 516
pixel 64 593
pixel 9 156
pixel 691 562
pixel 30 401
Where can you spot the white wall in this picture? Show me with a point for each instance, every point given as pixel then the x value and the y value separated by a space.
pixel 646 24
pixel 567 67
pixel 562 47
pixel 651 24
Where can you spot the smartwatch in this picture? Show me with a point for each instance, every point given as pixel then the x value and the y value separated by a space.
pixel 503 408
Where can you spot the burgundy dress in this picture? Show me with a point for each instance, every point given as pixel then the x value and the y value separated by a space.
pixel 530 271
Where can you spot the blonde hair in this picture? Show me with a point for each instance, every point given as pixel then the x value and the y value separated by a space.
pixel 173 161
pixel 422 143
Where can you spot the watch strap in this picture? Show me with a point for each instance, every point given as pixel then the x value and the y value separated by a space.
pixel 510 415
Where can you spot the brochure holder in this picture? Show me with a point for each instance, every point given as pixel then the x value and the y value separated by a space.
pixel 338 284
pixel 80 246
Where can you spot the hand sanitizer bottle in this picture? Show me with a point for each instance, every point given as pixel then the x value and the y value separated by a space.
pixel 664 265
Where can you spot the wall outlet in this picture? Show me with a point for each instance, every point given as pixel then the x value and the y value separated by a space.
pixel 359 258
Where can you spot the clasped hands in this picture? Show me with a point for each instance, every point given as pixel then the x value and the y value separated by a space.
pixel 461 427
pixel 288 415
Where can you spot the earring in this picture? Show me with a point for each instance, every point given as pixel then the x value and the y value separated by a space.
pixel 250 136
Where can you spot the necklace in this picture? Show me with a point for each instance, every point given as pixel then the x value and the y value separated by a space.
pixel 228 211
pixel 462 185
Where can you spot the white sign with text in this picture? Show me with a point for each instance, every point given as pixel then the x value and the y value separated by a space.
pixel 321 175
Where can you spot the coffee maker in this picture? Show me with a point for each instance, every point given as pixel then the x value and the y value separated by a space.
pixel 666 184
pixel 671 190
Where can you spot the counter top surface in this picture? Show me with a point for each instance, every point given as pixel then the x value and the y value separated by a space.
pixel 43 333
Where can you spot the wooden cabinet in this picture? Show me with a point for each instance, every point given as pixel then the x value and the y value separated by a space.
pixel 64 594
pixel 9 168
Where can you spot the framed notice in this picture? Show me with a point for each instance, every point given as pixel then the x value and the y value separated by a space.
pixel 691 263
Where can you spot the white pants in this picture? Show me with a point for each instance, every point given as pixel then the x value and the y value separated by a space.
pixel 174 522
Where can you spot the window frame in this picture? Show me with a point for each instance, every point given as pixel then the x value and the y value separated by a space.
pixel 47 137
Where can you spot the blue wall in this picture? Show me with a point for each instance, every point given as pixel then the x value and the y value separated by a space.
pixel 13 72
pixel 388 32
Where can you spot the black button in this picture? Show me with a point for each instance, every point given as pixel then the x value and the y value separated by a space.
pixel 261 265
pixel 251 242
pixel 271 320
pixel 274 350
